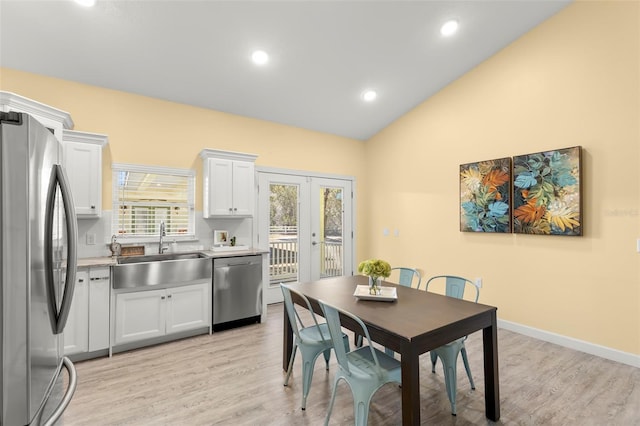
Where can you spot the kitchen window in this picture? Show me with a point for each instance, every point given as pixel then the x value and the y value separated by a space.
pixel 145 196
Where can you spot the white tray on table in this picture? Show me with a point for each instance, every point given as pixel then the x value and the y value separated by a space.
pixel 387 294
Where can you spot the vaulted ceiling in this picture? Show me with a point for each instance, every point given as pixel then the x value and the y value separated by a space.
pixel 322 54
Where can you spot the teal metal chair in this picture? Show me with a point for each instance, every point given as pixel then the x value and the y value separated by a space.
pixel 448 354
pixel 365 369
pixel 312 341
pixel 407 276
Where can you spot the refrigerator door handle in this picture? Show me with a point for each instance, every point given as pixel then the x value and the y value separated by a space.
pixel 59 317
pixel 71 389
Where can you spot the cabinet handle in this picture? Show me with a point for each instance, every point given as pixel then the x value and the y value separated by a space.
pixel 235 209
pixel 81 280
pixel 161 297
pixel 230 209
pixel 93 207
pixel 169 297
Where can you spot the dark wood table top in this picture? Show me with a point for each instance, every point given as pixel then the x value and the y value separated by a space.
pixel 416 316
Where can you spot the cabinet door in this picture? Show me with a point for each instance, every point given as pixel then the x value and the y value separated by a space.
pixel 243 188
pixel 188 307
pixel 76 332
pixel 140 315
pixel 83 164
pixel 220 201
pixel 99 293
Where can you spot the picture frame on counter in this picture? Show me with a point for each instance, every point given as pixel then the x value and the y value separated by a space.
pixel 220 238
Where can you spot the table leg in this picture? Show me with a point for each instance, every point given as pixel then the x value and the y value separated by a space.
pixel 410 387
pixel 287 341
pixel 491 380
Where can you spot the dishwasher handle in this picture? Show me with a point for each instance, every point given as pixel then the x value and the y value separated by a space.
pixel 227 265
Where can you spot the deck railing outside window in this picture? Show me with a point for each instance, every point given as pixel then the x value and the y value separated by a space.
pixel 284 257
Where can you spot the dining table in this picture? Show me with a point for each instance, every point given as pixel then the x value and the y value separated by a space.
pixel 411 324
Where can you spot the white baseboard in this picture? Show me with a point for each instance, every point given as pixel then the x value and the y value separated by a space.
pixel 569 342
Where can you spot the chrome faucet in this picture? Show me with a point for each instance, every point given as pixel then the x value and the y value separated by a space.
pixel 163 233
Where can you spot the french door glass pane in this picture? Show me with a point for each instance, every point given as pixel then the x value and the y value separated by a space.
pixel 332 231
pixel 283 233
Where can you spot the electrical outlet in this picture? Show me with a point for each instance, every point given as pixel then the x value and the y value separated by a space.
pixel 91 239
pixel 396 232
pixel 385 232
pixel 638 245
pixel 479 282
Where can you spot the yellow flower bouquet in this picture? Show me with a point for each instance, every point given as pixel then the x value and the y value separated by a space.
pixel 374 269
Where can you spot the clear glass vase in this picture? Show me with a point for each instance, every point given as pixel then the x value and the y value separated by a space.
pixel 374 285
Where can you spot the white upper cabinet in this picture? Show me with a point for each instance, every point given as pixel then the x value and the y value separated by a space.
pixel 229 183
pixel 83 164
pixel 52 118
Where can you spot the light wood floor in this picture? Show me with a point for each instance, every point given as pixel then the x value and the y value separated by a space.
pixel 235 377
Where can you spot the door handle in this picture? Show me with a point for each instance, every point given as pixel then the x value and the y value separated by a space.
pixel 58 318
pixel 71 389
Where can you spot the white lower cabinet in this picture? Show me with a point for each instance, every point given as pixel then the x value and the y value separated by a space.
pixel 187 308
pixel 76 332
pixel 87 326
pixel 154 313
pixel 99 297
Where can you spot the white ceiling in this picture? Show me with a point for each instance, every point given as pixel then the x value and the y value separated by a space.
pixel 323 54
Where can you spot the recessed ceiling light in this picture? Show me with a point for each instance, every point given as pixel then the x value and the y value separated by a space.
pixel 86 3
pixel 369 95
pixel 449 28
pixel 260 57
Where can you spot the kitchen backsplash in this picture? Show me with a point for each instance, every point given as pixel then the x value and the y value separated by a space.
pixel 99 231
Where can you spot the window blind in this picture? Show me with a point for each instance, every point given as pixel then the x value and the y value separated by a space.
pixel 143 197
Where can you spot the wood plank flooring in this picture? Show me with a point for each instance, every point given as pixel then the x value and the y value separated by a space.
pixel 235 377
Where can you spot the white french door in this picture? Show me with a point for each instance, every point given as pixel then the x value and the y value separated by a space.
pixel 306 223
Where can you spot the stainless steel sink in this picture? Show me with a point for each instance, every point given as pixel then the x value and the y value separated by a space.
pixel 161 269
pixel 160 257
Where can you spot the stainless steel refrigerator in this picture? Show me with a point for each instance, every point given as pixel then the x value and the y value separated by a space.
pixel 38 265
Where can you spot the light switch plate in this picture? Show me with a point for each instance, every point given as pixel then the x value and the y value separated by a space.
pixel 479 282
pixel 638 245
pixel 91 239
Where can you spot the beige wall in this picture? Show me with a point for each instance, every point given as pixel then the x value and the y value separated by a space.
pixel 574 80
pixel 144 130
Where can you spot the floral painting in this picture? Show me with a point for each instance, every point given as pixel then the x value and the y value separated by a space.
pixel 484 196
pixel 546 193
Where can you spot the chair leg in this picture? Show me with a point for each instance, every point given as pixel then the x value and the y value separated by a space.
pixel 361 402
pixel 327 356
pixel 307 376
pixel 333 398
pixel 466 367
pixel 290 368
pixel 434 359
pixel 345 340
pixel 450 378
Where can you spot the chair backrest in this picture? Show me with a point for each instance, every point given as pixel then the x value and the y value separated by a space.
pixel 332 315
pixel 406 276
pixel 292 313
pixel 455 286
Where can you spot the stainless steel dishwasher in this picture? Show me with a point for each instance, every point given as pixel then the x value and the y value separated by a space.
pixel 237 291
